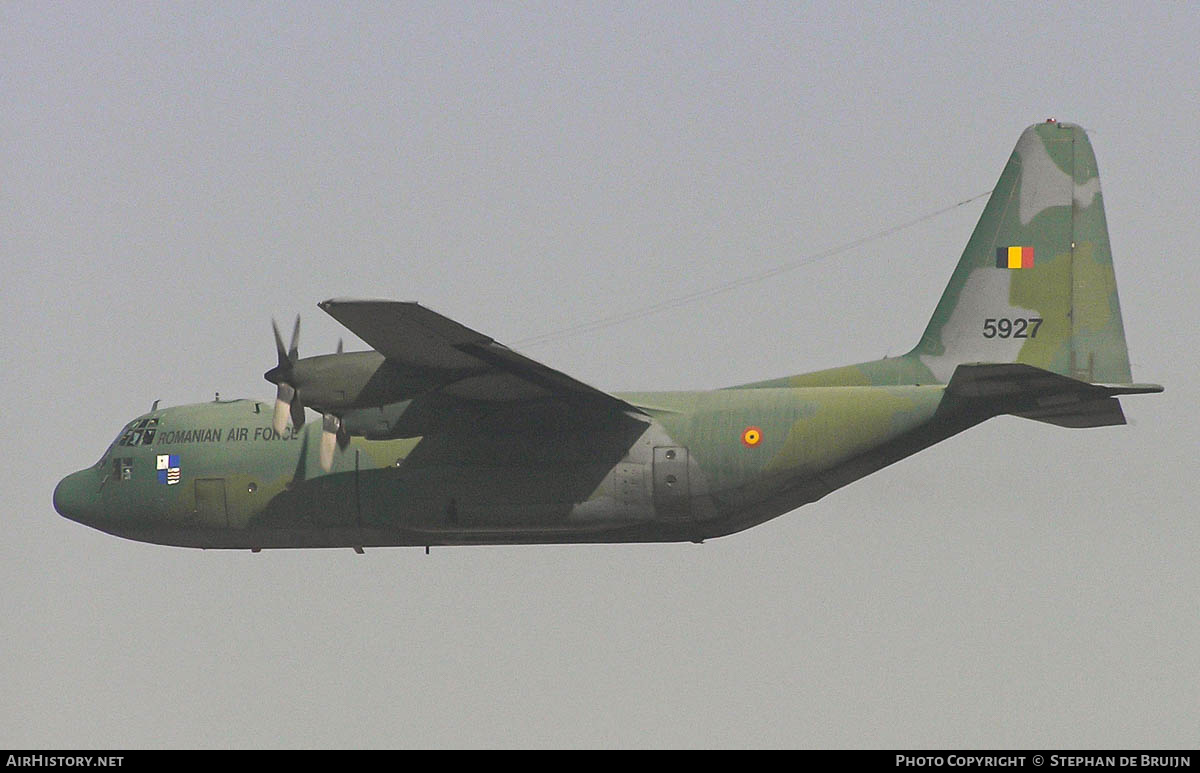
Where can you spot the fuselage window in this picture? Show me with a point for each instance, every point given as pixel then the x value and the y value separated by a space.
pixel 122 467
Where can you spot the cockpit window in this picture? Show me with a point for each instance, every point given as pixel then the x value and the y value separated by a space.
pixel 122 468
pixel 139 433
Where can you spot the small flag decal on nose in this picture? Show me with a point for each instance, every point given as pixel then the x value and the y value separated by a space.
pixel 168 469
pixel 1014 257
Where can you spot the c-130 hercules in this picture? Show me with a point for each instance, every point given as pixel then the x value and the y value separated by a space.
pixel 442 436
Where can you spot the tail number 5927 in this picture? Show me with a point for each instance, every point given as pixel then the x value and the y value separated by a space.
pixel 1005 327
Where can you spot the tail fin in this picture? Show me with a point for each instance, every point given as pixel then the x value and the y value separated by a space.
pixel 1034 287
pixel 1035 284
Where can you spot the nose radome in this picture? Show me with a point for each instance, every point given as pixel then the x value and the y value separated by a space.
pixel 73 496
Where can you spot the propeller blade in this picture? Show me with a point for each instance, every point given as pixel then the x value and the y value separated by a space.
pixel 339 351
pixel 329 431
pixel 343 436
pixel 297 412
pixel 293 350
pixel 284 362
pixel 328 443
pixel 301 462
pixel 284 395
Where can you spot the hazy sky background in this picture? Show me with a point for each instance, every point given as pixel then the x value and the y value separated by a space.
pixel 173 175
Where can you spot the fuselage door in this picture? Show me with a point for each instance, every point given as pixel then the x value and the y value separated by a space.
pixel 210 502
pixel 672 495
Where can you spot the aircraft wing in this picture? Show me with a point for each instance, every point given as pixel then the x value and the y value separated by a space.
pixel 448 357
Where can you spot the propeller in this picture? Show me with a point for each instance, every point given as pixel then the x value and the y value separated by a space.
pixel 289 403
pixel 287 398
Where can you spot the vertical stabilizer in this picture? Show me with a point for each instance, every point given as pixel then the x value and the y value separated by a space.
pixel 1035 284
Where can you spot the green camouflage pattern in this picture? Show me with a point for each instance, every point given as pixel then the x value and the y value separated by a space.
pixel 1048 197
pixel 662 466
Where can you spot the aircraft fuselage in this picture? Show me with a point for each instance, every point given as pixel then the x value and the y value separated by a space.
pixel 696 465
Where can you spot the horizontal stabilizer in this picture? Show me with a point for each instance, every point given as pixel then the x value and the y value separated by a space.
pixel 1034 393
pixel 1105 412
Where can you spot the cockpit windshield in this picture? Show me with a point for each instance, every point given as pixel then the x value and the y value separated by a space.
pixel 139 432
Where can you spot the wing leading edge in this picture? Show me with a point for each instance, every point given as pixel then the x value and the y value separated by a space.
pixel 456 361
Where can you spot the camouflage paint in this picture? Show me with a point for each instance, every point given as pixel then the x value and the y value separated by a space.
pixel 561 462
pixel 1048 197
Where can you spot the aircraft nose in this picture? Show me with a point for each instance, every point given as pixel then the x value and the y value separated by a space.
pixel 74 496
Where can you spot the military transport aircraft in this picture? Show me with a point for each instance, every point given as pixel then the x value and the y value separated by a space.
pixel 442 436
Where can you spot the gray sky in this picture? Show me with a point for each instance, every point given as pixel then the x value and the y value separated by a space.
pixel 172 176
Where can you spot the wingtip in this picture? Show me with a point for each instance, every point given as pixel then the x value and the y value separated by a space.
pixel 1133 389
